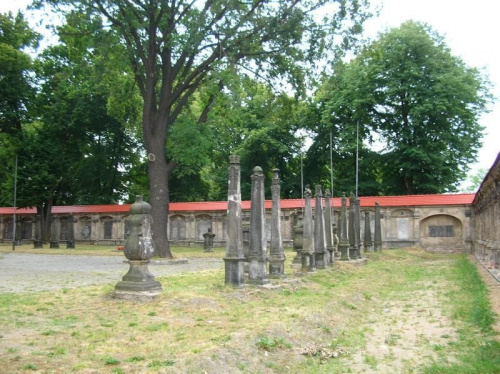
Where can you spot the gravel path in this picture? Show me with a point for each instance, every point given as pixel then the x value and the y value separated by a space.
pixel 21 272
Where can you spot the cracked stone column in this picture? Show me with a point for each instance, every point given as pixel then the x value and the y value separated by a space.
pixel 257 270
pixel 368 233
pixel 344 242
pixel 378 230
pixel 329 227
pixel 38 243
pixel 234 273
pixel 139 284
pixel 276 253
pixel 308 261
pixel 320 253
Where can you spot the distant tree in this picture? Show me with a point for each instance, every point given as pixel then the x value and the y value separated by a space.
pixel 474 180
pixel 175 47
pixel 420 102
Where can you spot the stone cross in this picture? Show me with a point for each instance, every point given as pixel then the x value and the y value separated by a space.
pixel 320 253
pixel 38 243
pixel 234 272
pixel 378 231
pixel 368 233
pixel 308 261
pixel 70 242
pixel 344 242
pixel 54 232
pixel 209 240
pixel 139 284
pixel 257 270
pixel 329 227
pixel 276 253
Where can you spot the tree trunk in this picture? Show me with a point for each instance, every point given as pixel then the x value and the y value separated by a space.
pixel 45 211
pixel 159 199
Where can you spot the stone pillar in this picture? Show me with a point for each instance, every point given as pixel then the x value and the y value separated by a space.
pixel 329 228
pixel 308 261
pixel 234 274
pixel 352 228
pixel 298 242
pixel 357 226
pixel 344 242
pixel 257 271
pixel 139 284
pixel 246 246
pixel 70 243
pixel 54 232
pixel 378 230
pixel 38 243
pixel 320 253
pixel 276 253
pixel 368 233
pixel 19 232
pixel 208 240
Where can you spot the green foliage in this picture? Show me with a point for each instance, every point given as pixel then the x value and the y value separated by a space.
pixel 418 102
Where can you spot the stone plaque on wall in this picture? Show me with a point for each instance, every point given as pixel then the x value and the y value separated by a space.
pixel 441 231
pixel 403 232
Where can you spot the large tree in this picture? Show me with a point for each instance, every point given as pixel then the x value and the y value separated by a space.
pixel 420 102
pixel 176 46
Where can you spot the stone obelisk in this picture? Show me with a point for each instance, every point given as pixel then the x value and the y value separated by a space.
pixel 344 242
pixel 320 254
pixel 276 253
pixel 308 262
pixel 234 273
pixel 257 270
pixel 378 230
pixel 368 245
pixel 329 228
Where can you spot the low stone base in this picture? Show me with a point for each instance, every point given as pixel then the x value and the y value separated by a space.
pixel 234 273
pixel 70 244
pixel 358 262
pixel 54 244
pixel 37 244
pixel 143 296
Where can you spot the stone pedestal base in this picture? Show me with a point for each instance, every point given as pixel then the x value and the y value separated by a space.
pixel 70 244
pixel 138 284
pixel 235 274
pixel 344 252
pixel 37 244
pixel 308 263
pixel 54 244
pixel 257 272
pixel 321 261
pixel 277 268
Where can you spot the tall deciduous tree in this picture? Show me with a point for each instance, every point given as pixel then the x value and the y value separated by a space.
pixel 176 45
pixel 422 102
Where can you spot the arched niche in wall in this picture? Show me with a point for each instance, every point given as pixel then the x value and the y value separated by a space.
pixel 441 232
pixel 177 227
pixel 85 228
pixel 107 227
pixel 203 223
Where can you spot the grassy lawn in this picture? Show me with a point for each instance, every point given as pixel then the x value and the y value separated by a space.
pixel 406 311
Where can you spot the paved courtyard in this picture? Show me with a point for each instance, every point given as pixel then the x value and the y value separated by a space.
pixel 21 272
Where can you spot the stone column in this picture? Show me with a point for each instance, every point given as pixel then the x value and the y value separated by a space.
pixel 378 231
pixel 357 226
pixel 368 233
pixel 38 243
pixel 246 246
pixel 234 274
pixel 298 242
pixel 257 271
pixel 70 243
pixel 320 253
pixel 54 232
pixel 329 227
pixel 308 261
pixel 139 284
pixel 276 253
pixel 352 228
pixel 19 232
pixel 344 242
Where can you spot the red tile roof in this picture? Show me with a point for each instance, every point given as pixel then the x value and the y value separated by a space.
pixel 366 201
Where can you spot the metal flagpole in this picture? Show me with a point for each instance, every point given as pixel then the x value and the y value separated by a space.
pixel 14 218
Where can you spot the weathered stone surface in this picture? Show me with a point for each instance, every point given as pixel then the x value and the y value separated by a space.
pixel 70 242
pixel 234 272
pixel 320 252
pixel 357 227
pixel 308 260
pixel 298 242
pixel 209 240
pixel 344 242
pixel 257 270
pixel 378 232
pixel 54 232
pixel 329 228
pixel 139 284
pixel 368 233
pixel 276 253
pixel 38 243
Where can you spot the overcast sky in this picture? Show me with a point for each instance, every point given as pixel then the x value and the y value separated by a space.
pixel 471 30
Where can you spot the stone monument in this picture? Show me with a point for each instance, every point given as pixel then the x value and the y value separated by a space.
pixel 38 243
pixel 70 242
pixel 54 232
pixel 276 253
pixel 352 228
pixel 209 240
pixel 246 245
pixel 378 230
pixel 257 270
pixel 344 242
pixel 298 242
pixel 329 228
pixel 139 284
pixel 368 233
pixel 308 261
pixel 320 253
pixel 357 226
pixel 234 272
